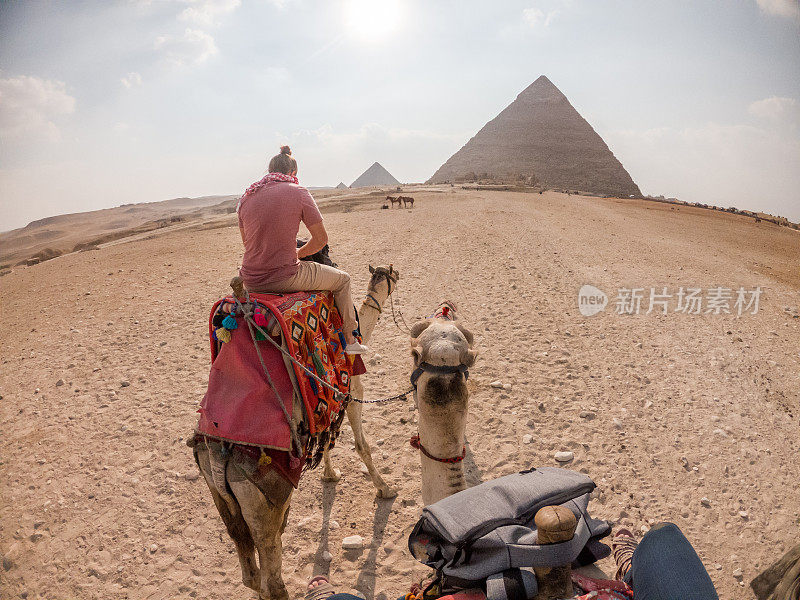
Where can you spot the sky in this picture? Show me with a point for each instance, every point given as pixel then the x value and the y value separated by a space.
pixel 106 103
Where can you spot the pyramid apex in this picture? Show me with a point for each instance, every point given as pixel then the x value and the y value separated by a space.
pixel 541 88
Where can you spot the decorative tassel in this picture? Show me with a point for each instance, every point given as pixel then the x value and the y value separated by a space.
pixel 264 459
pixel 260 319
pixel 223 335
pixel 229 322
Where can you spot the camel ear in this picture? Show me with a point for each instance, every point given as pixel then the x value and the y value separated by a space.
pixel 419 327
pixel 372 269
pixel 468 357
pixel 467 333
pixel 416 354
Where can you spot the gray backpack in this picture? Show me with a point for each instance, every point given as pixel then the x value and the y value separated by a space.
pixel 488 529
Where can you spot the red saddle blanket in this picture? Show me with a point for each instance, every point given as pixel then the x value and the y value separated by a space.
pixel 240 404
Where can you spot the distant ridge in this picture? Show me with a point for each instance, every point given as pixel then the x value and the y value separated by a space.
pixel 540 135
pixel 342 186
pixel 375 175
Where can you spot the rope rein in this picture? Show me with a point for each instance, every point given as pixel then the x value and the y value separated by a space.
pixel 394 318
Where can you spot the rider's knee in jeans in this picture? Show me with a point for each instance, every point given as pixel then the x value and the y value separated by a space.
pixel 666 567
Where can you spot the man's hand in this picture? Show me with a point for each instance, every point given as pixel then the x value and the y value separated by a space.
pixel 319 237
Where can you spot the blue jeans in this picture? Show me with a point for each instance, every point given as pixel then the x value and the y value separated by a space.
pixel 666 567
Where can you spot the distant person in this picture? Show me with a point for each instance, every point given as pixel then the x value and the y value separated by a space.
pixel 270 212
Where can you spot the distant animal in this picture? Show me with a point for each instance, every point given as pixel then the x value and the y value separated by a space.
pixel 385 205
pixel 394 199
pixel 406 201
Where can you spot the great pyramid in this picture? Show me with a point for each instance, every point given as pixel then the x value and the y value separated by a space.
pixel 341 186
pixel 540 134
pixel 375 175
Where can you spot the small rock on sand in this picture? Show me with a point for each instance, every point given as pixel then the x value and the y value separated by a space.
pixel 564 456
pixel 192 476
pixel 352 542
pixel 705 502
pixel 527 438
pixel 327 556
pixel 497 384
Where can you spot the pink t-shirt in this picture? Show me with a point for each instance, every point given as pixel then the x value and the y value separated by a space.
pixel 271 219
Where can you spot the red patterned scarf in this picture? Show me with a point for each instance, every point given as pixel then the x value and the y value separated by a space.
pixel 268 178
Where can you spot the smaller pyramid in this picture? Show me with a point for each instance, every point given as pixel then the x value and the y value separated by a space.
pixel 375 175
pixel 341 186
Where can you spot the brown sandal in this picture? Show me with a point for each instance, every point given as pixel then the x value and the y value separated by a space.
pixel 319 592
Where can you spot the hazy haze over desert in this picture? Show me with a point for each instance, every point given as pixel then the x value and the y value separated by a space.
pixel 698 102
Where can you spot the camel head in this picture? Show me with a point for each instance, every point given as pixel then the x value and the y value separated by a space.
pixel 383 281
pixel 442 340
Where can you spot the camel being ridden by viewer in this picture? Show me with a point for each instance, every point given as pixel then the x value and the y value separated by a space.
pixel 255 515
pixel 443 350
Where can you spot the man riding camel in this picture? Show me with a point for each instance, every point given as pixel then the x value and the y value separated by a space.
pixel 270 212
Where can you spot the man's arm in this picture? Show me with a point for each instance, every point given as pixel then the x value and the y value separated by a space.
pixel 319 237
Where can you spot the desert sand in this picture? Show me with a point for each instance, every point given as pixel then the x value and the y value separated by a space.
pixel 105 359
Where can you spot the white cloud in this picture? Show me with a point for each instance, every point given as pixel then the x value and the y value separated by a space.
pixel 777 110
pixel 780 8
pixel 28 105
pixel 193 48
pixel 131 79
pixel 208 12
pixel 535 17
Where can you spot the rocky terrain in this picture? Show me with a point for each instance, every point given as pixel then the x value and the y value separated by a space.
pixel 691 418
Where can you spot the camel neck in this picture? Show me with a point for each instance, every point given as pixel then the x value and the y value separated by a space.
pixel 368 315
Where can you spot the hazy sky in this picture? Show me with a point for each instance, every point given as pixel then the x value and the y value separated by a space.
pixel 104 103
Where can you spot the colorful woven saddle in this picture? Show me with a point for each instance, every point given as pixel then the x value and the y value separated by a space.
pixel 253 386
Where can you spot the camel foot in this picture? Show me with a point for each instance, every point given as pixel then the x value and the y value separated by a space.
pixel 274 592
pixel 386 493
pixel 252 580
pixel 331 477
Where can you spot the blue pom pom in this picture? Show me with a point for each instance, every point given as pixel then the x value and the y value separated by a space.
pixel 229 322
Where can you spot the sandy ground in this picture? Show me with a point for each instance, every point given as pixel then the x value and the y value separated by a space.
pixel 105 360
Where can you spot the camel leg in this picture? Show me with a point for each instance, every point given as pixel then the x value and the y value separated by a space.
pixel 266 518
pixel 231 514
pixel 362 447
pixel 329 473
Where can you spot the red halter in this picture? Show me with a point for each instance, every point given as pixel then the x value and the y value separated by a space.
pixel 415 443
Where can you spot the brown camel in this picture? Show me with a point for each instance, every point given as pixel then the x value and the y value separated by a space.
pixel 406 201
pixel 255 515
pixel 394 199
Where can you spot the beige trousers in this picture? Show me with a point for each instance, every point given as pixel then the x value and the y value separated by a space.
pixel 312 276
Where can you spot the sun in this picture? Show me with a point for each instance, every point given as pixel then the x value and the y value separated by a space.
pixel 372 20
